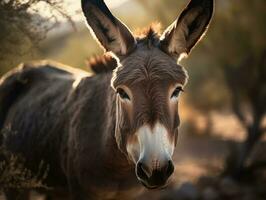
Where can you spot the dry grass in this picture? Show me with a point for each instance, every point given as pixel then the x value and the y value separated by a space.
pixel 14 174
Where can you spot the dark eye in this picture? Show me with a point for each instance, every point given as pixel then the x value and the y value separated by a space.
pixel 122 94
pixel 176 92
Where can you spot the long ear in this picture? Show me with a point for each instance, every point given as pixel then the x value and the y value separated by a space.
pixel 112 34
pixel 181 36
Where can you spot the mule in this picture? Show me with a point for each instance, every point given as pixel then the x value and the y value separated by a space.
pixel 105 135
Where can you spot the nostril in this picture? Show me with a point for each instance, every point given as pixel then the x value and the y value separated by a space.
pixel 143 171
pixel 170 168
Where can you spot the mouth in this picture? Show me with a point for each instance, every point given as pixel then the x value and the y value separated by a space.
pixel 154 183
pixel 153 187
pixel 157 179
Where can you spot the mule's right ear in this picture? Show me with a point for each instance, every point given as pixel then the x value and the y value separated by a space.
pixel 112 34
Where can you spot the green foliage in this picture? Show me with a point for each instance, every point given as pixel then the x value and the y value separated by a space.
pixel 22 28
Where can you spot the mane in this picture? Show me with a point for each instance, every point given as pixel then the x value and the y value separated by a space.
pixel 149 35
pixel 106 63
pixel 102 64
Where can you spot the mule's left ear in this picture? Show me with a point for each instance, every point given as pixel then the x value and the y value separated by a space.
pixel 111 33
pixel 181 36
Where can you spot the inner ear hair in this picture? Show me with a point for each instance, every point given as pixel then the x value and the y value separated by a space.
pixel 110 32
pixel 184 33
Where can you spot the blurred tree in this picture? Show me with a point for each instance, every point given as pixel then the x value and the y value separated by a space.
pixel 240 52
pixel 247 84
pixel 22 27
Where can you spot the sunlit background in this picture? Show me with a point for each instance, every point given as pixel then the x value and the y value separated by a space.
pixel 73 8
pixel 224 104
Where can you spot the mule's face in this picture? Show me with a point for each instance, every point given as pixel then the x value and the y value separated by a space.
pixel 148 83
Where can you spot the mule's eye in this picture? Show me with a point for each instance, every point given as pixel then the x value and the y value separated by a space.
pixel 176 92
pixel 122 94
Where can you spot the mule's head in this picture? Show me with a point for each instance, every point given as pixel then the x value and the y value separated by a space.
pixel 148 82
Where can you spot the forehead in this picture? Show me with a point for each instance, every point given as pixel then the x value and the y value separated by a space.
pixel 148 65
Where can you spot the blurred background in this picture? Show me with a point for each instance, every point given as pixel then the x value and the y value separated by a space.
pixel 221 148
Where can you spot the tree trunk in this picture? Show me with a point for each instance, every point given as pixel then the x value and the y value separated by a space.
pixel 254 135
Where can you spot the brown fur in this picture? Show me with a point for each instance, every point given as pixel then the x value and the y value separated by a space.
pixel 80 125
pixel 106 62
